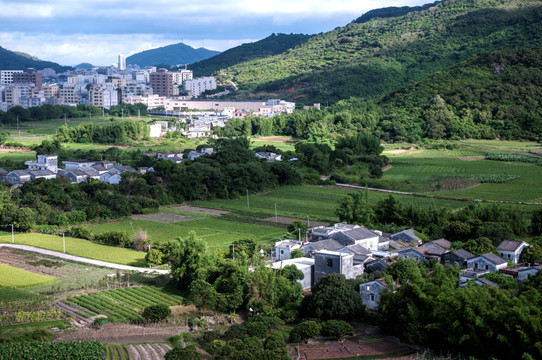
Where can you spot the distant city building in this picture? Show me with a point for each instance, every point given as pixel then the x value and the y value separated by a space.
pixel 6 76
pixel 30 76
pixel 122 62
pixel 197 86
pixel 104 95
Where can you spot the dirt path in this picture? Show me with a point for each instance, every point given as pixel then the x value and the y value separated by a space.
pixel 84 260
pixel 289 220
pixel 164 218
pixel 201 210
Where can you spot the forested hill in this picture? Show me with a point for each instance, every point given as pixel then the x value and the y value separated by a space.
pixel 382 55
pixel 271 45
pixel 11 60
pixel 170 55
pixel 392 11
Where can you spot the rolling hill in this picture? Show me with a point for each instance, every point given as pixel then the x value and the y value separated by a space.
pixel 381 55
pixel 11 60
pixel 171 55
pixel 271 45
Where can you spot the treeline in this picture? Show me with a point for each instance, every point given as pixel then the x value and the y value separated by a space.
pixel 428 308
pixel 478 228
pixel 115 133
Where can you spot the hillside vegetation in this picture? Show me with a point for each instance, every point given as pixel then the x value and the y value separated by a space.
pixel 170 55
pixel 272 45
pixel 384 54
pixel 11 60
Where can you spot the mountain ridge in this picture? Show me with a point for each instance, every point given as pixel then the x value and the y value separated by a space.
pixel 173 54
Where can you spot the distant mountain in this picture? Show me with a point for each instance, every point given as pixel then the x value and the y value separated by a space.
pixel 171 54
pixel 11 60
pixel 391 11
pixel 86 66
pixel 381 55
pixel 271 45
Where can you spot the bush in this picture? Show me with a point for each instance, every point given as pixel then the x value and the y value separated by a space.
pixel 154 257
pixel 80 232
pixel 216 344
pixel 211 335
pixel 236 331
pixel 186 353
pixel 304 331
pixel 156 313
pixel 257 329
pixel 336 329
pixel 114 238
pixel 275 341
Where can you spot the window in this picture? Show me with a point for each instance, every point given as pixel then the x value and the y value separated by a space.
pixel 487 267
pixel 372 297
pixel 367 288
pixel 509 256
pixel 329 262
pixel 282 251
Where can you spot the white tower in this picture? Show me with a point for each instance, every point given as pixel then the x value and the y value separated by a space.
pixel 122 62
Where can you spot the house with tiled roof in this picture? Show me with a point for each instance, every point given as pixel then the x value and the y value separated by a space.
pixel 310 249
pixel 358 236
pixel 456 257
pixel 510 250
pixel 379 264
pixel 408 235
pixel 488 261
pixel 412 253
pixel 370 292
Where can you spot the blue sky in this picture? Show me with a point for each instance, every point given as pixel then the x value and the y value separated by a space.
pixel 72 31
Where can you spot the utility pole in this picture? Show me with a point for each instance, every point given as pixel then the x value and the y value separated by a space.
pixel 248 201
pixel 276 220
pixel 233 251
pixel 63 243
pixel 12 235
pixel 299 230
pixel 308 222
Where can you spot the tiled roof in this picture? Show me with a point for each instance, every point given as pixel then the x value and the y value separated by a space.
pixel 497 260
pixel 509 245
pixel 463 254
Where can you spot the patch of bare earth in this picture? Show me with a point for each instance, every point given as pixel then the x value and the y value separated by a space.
pixel 289 220
pixel 386 168
pixel 471 158
pixel 275 139
pixel 123 333
pixel 201 210
pixel 23 261
pixel 164 218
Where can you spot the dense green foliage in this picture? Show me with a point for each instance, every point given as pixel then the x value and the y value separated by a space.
pixel 73 350
pixel 47 112
pixel 336 329
pixel 10 60
pixel 384 54
pixel 271 45
pixel 391 11
pixel 156 313
pixel 431 310
pixel 170 55
pixel 117 133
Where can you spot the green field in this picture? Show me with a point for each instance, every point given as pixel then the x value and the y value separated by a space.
pixel 124 304
pixel 80 247
pixel 17 278
pixel 217 232
pixel 11 294
pixel 427 170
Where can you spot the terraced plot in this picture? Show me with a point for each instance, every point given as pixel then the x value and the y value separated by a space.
pixel 122 305
pixel 155 351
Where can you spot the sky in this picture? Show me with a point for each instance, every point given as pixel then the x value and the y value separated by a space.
pixel 70 32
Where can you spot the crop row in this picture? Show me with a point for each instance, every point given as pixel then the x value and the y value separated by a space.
pixel 514 158
pixel 29 316
pixel 122 305
pixel 496 178
pixel 80 350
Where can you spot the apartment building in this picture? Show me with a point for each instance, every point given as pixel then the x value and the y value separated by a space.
pixel 69 95
pixel 164 83
pixel 104 95
pixel 30 76
pixel 6 76
pixel 197 86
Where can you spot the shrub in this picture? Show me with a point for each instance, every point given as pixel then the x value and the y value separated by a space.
pixel 257 329
pixel 114 238
pixel 304 331
pixel 186 353
pixel 216 344
pixel 236 331
pixel 80 232
pixel 211 335
pixel 336 329
pixel 275 341
pixel 156 313
pixel 154 257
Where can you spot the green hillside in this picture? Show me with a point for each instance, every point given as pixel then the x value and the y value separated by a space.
pixel 171 55
pixel 11 60
pixel 384 54
pixel 271 45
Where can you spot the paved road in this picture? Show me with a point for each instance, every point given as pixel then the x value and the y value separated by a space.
pixel 84 260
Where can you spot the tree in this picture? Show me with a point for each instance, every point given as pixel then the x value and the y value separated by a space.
pixel 296 253
pixel 354 208
pixel 304 331
pixel 156 313
pixel 188 258
pixel 336 329
pixel 154 257
pixel 333 297
pixel 203 295
pixel 536 223
pixel 187 353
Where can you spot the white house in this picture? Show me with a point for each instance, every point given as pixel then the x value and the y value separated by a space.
pixel 284 248
pixel 489 261
pixel 510 250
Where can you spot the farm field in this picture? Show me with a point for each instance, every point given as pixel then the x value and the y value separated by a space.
pixel 155 351
pixel 80 247
pixel 283 143
pixel 319 202
pixel 17 278
pixel 123 304
pixel 217 232
pixel 429 172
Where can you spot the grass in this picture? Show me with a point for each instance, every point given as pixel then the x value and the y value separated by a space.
pixel 283 143
pixel 11 294
pixel 17 278
pixel 80 247
pixel 217 232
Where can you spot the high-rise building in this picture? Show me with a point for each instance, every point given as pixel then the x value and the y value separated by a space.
pixel 6 76
pixel 30 76
pixel 163 83
pixel 122 62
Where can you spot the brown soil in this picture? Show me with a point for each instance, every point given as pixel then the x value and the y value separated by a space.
pixel 13 148
pixel 386 168
pixel 289 220
pixel 201 210
pixel 471 158
pixel 164 218
pixel 123 333
pixel 22 261
pixel 279 139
